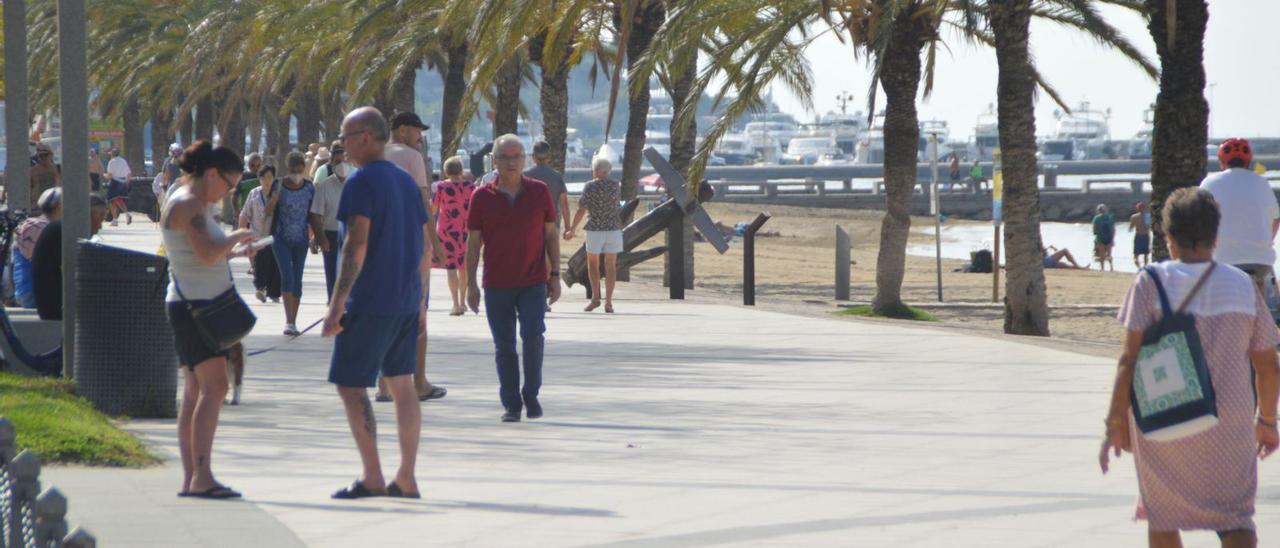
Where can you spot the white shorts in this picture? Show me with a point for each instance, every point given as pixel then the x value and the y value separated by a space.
pixel 604 241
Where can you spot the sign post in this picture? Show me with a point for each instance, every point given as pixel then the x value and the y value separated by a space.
pixel 935 208
pixel 997 216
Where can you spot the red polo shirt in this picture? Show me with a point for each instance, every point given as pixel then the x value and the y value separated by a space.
pixel 514 233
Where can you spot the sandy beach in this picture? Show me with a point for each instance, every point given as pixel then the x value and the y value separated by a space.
pixel 795 270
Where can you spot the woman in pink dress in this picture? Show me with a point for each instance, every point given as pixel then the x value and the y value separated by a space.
pixel 1206 480
pixel 449 206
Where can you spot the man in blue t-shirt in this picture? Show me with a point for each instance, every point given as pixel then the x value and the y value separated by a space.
pixel 377 310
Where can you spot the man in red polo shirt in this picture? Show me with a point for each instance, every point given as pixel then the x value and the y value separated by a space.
pixel 513 223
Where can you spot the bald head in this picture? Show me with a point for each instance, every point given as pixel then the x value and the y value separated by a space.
pixel 364 134
pixel 508 158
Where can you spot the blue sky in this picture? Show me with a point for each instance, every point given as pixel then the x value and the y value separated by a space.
pixel 1242 57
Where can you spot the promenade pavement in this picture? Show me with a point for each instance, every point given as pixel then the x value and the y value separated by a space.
pixel 667 424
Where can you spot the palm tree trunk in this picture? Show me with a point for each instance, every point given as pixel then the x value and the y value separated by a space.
pixel 900 80
pixel 254 113
pixel 186 128
pixel 134 148
pixel 234 132
pixel 1026 307
pixel 161 136
pixel 648 19
pixel 333 115
pixel 684 142
pixel 507 110
pixel 308 113
pixel 404 91
pixel 204 119
pixel 455 86
pixel 1182 116
pixel 555 108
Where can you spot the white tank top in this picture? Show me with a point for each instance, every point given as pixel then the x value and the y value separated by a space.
pixel 197 281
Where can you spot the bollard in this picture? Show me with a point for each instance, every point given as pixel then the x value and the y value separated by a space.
pixel 675 256
pixel 770 190
pixel 843 263
pixel 51 517
pixel 749 260
pixel 1051 176
pixel 79 539
pixel 846 185
pixel 25 471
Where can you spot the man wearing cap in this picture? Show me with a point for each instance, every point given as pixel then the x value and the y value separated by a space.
pixel 44 175
pixel 324 171
pixel 324 212
pixel 405 151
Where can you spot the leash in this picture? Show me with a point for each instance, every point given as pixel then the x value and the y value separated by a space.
pixel 291 338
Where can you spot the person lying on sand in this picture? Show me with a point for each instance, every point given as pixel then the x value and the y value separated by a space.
pixel 1054 260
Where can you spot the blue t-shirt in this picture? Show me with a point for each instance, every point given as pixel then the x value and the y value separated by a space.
pixel 389 282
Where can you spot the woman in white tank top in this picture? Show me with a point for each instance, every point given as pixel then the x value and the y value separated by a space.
pixel 198 251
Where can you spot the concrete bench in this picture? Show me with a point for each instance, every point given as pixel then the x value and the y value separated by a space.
pixel 877 187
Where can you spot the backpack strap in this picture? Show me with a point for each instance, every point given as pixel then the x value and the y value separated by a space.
pixel 1196 288
pixel 1165 309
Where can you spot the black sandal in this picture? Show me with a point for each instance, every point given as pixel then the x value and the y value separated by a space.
pixel 356 490
pixel 217 492
pixel 435 393
pixel 393 490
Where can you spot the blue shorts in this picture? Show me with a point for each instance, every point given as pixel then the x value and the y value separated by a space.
pixel 290 259
pixel 371 344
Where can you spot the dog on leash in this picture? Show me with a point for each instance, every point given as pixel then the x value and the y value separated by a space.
pixel 235 371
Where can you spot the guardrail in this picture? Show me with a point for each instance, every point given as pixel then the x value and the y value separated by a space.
pixel 28 517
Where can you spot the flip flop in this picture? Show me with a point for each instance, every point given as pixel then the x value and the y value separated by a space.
pixel 356 490
pixel 394 491
pixel 436 393
pixel 382 399
pixel 217 492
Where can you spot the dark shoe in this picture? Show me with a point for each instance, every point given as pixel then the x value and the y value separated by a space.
pixel 393 490
pixel 217 492
pixel 382 399
pixel 435 393
pixel 356 490
pixel 511 416
pixel 533 409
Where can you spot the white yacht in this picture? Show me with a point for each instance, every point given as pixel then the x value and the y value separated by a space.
pixel 847 129
pixel 933 127
pixel 1082 134
pixel 1140 145
pixel 770 133
pixel 986 135
pixel 871 146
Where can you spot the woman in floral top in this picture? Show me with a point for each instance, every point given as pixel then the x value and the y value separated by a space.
pixel 289 207
pixel 604 230
pixel 449 207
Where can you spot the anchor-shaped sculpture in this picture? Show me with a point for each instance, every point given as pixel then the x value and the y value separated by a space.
pixel 667 216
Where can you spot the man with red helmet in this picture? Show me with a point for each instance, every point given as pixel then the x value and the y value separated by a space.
pixel 1250 212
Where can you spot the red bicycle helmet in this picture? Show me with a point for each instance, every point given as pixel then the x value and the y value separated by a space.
pixel 1235 149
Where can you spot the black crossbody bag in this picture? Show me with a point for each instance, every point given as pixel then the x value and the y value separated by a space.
pixel 224 320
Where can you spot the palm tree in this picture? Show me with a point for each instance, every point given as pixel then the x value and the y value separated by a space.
pixel 648 18
pixel 1181 114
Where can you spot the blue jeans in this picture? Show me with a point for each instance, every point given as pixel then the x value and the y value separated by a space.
pixel 503 307
pixel 290 258
pixel 331 259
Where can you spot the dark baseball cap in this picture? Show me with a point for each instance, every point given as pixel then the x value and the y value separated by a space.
pixel 337 149
pixel 408 119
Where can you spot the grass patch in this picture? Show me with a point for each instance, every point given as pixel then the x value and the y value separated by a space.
pixel 903 312
pixel 59 426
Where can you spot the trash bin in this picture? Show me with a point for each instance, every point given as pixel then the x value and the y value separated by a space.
pixel 124 362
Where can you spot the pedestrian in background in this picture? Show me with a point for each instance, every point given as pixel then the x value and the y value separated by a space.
pixel 289 207
pixel 600 199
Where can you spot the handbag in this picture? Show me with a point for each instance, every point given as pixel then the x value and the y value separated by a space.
pixel 1172 392
pixel 224 320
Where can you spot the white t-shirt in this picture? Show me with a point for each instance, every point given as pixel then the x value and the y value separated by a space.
pixel 118 169
pixel 1248 208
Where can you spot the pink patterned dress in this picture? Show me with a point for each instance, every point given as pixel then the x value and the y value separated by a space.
pixel 453 202
pixel 1208 480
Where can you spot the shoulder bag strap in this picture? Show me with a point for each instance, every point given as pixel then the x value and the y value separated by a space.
pixel 1165 309
pixel 1196 289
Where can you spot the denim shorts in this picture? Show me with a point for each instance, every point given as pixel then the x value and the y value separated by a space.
pixel 290 259
pixel 368 345
pixel 604 241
